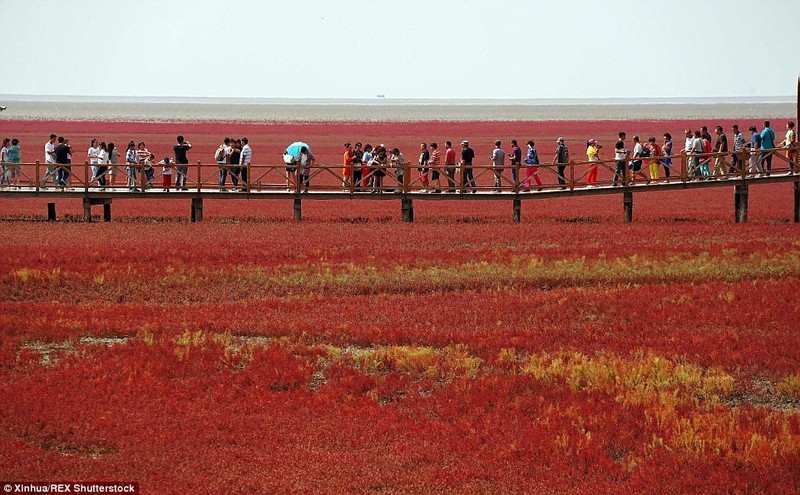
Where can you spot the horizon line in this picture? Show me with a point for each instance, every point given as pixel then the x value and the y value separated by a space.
pixel 383 100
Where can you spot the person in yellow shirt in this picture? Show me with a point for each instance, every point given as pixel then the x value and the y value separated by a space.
pixel 593 154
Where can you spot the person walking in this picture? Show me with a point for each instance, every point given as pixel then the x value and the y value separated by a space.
pixel 467 157
pixel 91 155
pixel 738 146
pixel 666 153
pixel 498 158
pixel 113 160
pixel 181 162
pixel 620 157
pixel 515 160
pixel 638 158
pixel 50 161
pixel 532 166
pixel 755 153
pixel 767 145
pixel 63 160
pixel 720 146
pixel 348 158
pixel 102 164
pixel 561 159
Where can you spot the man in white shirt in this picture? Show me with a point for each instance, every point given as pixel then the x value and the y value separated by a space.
pixel 92 154
pixel 244 161
pixel 50 160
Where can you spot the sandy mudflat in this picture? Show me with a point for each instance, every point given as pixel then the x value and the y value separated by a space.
pixel 379 111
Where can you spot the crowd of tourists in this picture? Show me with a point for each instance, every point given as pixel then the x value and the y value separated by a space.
pixel 435 170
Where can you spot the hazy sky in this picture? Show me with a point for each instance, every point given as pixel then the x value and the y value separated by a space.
pixel 401 48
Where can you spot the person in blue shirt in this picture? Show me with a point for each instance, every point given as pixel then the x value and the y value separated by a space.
pixel 755 152
pixel 767 143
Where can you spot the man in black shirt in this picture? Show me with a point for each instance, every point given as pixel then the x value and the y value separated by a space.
pixel 467 155
pixel 720 146
pixel 63 153
pixel 181 162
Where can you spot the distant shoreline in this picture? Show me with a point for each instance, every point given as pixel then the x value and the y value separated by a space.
pixel 386 110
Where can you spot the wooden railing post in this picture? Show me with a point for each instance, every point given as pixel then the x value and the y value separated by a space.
pixel 461 178
pixel 406 178
pixel 247 182
pixel 684 166
pixel 627 170
pixel 199 176
pixel 86 175
pixel 37 172
pixel 571 174
pixel 518 180
pixel 745 163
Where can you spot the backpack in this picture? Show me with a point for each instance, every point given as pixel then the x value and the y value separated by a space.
pixel 220 154
pixel 645 152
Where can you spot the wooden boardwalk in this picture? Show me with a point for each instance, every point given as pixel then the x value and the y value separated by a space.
pixel 330 183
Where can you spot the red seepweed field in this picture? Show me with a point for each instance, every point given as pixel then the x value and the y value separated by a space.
pixel 351 352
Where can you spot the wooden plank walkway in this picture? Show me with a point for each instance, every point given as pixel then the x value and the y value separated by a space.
pixel 406 193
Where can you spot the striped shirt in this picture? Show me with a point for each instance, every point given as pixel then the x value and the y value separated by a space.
pixel 247 154
pixel 738 141
pixel 433 161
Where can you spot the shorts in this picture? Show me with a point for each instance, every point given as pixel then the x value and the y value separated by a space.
pixel 291 170
pixel 434 175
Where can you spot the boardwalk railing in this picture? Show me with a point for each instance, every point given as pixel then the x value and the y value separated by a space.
pixel 199 180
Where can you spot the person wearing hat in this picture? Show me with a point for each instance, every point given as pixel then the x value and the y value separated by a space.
pixel 467 156
pixel 561 159
pixel 593 154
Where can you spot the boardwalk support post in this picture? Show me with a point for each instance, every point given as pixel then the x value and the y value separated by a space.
pixel 627 203
pixel 407 209
pixel 87 210
pixel 51 212
pixel 796 187
pixel 197 210
pixel 740 202
pixel 107 211
pixel 298 208
pixel 517 210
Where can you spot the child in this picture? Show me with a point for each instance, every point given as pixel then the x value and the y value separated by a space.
pixel 166 173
